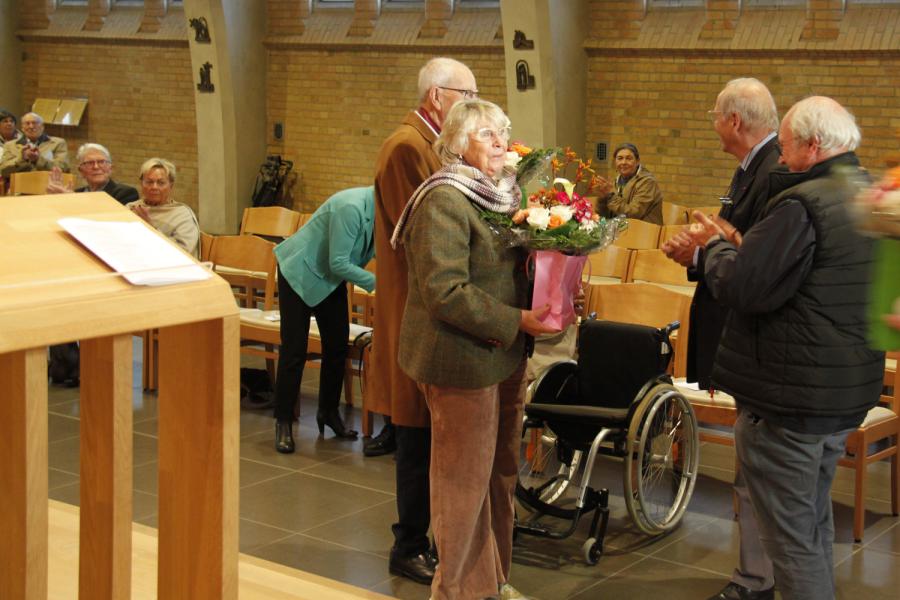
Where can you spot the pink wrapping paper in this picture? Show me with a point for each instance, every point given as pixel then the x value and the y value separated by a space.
pixel 557 278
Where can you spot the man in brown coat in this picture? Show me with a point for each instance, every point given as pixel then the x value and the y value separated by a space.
pixel 405 160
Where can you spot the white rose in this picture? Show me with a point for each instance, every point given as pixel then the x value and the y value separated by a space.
pixel 565 213
pixel 512 159
pixel 588 225
pixel 538 218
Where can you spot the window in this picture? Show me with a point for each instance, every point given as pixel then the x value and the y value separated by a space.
pixel 774 3
pixel 675 3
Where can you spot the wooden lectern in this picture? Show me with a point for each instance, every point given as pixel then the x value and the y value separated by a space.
pixel 53 290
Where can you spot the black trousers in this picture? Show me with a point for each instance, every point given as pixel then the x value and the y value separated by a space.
pixel 413 500
pixel 334 329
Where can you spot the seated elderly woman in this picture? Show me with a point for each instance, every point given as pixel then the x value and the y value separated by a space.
pixel 95 165
pixel 157 206
pixel 313 266
pixel 635 193
pixel 462 340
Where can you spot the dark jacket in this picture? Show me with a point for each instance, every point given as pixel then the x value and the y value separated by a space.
pixel 748 198
pixel 794 348
pixel 121 192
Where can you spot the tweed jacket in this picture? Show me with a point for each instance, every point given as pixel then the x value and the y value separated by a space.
pixel 405 160
pixel 465 289
pixel 53 153
pixel 332 247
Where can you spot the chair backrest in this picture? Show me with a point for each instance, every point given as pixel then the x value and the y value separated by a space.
pixel 304 219
pixel 206 242
pixel 247 253
pixel 275 221
pixel 644 304
pixel 612 261
pixel 653 266
pixel 674 214
pixel 34 183
pixel 670 231
pixel 640 234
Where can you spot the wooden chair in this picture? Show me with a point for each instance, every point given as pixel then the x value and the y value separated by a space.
pixel 640 234
pixel 881 423
pixel 34 183
pixel 653 266
pixel 271 221
pixel 675 214
pixel 610 265
pixel 645 304
pixel 206 242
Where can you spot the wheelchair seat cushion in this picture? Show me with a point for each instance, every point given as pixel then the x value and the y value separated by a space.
pixel 615 360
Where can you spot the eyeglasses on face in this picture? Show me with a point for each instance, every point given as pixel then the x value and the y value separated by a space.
pixel 467 94
pixel 486 134
pixel 160 183
pixel 90 164
pixel 714 114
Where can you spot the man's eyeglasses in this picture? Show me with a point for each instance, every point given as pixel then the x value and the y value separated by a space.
pixel 467 94
pixel 90 164
pixel 713 114
pixel 486 134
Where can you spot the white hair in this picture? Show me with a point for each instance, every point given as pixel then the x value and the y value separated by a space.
pixel 91 147
pixel 36 116
pixel 822 119
pixel 750 99
pixel 438 72
pixel 462 120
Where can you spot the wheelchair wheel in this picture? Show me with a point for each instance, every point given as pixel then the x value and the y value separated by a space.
pixel 547 471
pixel 661 460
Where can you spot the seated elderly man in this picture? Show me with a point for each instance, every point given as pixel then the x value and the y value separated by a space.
pixel 35 150
pixel 95 165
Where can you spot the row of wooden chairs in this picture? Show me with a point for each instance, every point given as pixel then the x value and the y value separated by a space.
pixel 617 264
pixel 678 214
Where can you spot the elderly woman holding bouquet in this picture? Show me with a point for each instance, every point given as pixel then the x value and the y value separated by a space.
pixel 463 341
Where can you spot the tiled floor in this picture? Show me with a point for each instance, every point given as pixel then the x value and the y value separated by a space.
pixel 326 509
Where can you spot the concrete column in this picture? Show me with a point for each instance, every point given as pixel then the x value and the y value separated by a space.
pixel 552 113
pixel 10 57
pixel 231 121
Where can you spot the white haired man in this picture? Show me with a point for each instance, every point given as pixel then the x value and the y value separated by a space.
pixel 405 160
pixel 794 352
pixel 35 150
pixel 95 165
pixel 746 119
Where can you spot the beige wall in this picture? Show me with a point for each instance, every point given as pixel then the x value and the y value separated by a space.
pixel 10 57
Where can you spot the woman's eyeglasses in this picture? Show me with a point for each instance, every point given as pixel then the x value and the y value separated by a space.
pixel 486 134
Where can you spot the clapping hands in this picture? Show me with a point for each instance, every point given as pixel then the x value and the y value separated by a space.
pixel 682 246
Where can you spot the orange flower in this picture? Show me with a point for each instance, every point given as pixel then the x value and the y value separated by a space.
pixel 892 179
pixel 520 149
pixel 555 221
pixel 520 216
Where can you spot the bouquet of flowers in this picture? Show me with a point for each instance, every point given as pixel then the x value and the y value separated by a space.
pixel 878 206
pixel 557 223
pixel 877 209
pixel 556 216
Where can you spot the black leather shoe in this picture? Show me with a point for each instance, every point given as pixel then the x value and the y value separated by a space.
pixel 734 591
pixel 383 443
pixel 284 437
pixel 420 568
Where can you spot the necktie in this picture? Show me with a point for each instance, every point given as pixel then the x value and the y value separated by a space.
pixel 732 188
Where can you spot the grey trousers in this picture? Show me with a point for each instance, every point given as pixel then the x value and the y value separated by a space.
pixel 789 476
pixel 754 570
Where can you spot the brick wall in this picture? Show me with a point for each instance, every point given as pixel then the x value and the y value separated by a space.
pixel 141 101
pixel 338 106
pixel 653 87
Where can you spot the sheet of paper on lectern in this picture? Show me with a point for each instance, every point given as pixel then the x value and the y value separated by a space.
pixel 140 255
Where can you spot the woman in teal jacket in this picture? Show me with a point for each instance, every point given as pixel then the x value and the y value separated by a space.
pixel 313 266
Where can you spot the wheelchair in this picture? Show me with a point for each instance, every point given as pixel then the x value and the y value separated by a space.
pixel 615 400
